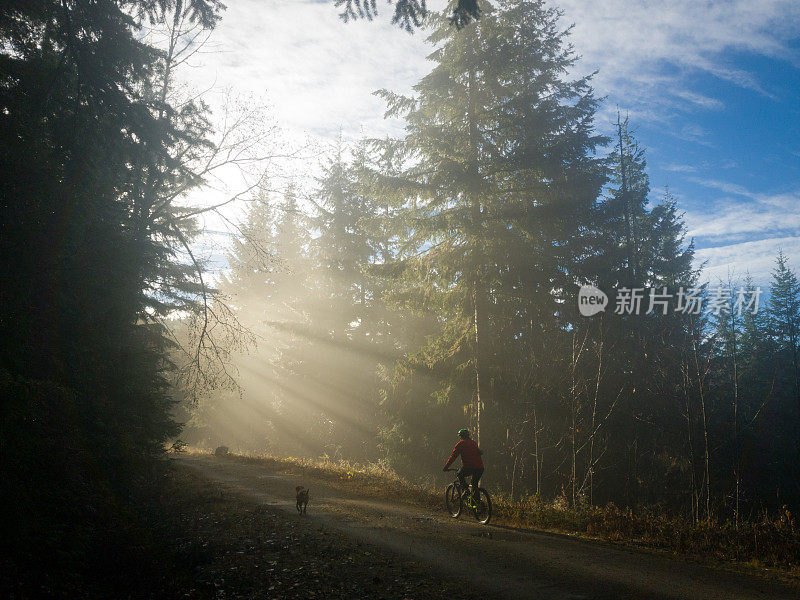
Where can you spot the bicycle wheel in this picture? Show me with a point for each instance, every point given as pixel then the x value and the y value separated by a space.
pixel 452 499
pixel 483 509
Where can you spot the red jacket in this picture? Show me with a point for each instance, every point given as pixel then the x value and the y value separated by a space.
pixel 470 455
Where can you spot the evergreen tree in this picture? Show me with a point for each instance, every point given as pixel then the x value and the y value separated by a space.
pixel 783 420
pixel 408 14
pixel 253 257
pixel 647 354
pixel 342 352
pixel 626 207
pixel 502 173
pixel 784 307
pixel 92 156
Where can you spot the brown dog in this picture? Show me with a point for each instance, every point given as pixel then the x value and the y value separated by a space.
pixel 302 499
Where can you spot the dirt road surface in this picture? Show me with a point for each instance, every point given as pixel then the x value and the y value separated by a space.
pixel 499 561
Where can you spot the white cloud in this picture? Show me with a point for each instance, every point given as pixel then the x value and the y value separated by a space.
pixel 647 51
pixel 693 133
pixel 631 41
pixel 316 73
pixel 759 215
pixel 699 99
pixel 754 257
pixel 744 230
pixel 320 72
pixel 727 187
pixel 676 168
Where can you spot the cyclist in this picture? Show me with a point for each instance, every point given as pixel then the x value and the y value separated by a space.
pixel 471 461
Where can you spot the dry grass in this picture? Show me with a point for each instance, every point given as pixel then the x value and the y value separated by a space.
pixel 768 543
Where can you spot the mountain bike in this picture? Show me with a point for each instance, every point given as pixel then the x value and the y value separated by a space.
pixel 456 497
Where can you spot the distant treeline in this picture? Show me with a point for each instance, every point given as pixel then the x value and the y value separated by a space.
pixel 430 282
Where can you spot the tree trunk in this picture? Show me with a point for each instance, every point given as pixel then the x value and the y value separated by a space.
pixel 625 207
pixel 706 458
pixel 736 466
pixel 478 292
pixel 536 449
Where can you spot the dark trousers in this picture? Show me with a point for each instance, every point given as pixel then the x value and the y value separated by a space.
pixel 476 474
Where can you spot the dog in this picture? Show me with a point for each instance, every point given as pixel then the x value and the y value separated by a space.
pixel 302 499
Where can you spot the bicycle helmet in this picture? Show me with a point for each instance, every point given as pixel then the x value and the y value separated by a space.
pixel 463 433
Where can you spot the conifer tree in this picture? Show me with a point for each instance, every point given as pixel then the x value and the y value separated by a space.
pixel 784 306
pixel 502 172
pixel 92 157
pixel 252 257
pixel 627 204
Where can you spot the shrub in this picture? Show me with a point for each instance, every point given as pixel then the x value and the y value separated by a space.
pixel 178 446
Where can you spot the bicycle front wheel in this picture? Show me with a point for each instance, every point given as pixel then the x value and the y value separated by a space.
pixel 452 499
pixel 483 507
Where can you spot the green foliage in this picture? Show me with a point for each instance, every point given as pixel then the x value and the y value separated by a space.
pixel 501 180
pixel 92 156
pixel 408 14
pixel 430 284
pixel 178 446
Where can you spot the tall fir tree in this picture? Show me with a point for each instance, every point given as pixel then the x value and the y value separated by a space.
pixel 501 145
pixel 784 306
pixel 93 154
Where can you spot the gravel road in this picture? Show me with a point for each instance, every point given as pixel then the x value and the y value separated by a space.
pixel 499 561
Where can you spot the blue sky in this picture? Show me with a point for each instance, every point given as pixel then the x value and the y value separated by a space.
pixel 713 89
pixel 734 163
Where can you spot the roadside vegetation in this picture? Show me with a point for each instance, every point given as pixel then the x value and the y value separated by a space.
pixel 766 543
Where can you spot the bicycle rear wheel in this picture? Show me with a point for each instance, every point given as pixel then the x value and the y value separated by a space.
pixel 452 499
pixel 483 508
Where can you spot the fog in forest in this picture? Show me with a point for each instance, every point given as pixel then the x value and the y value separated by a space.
pixel 388 291
pixel 256 249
